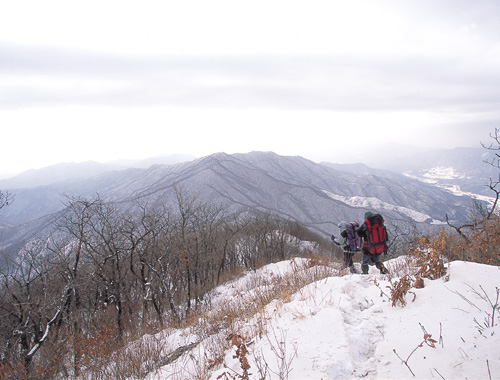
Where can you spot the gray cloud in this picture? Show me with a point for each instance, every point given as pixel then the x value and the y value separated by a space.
pixel 38 77
pixel 427 55
pixel 409 68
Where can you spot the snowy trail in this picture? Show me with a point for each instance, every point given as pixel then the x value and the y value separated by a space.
pixel 363 327
pixel 336 335
pixel 345 327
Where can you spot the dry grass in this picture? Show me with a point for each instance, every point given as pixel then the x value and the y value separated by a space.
pixel 243 314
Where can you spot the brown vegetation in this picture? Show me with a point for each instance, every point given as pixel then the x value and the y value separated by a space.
pixel 107 275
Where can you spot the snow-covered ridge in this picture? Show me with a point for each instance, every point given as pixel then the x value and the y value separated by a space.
pixel 377 204
pixel 344 327
pixel 456 190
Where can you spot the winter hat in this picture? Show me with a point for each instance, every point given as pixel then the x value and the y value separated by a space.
pixel 342 225
pixel 368 213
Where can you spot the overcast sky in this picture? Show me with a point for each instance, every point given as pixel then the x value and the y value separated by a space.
pixel 102 80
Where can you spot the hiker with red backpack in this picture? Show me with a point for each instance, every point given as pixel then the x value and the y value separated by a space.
pixel 375 238
pixel 350 242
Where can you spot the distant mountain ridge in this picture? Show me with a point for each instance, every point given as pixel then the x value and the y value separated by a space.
pixel 70 171
pixel 62 172
pixel 316 195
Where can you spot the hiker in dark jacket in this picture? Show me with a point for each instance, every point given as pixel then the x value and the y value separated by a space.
pixel 370 252
pixel 343 241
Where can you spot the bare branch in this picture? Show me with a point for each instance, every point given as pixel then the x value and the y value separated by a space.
pixel 493 185
pixel 459 229
pixel 5 199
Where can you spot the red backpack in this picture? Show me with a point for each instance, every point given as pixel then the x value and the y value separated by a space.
pixel 377 234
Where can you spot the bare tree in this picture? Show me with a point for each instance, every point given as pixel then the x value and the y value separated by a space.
pixel 479 214
pixel 32 302
pixel 145 231
pixel 108 251
pixel 227 246
pixel 494 147
pixel 6 199
pixel 70 248
pixel 400 234
pixel 495 162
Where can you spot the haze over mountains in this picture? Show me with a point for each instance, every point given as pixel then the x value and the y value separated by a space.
pixel 67 171
pixel 318 195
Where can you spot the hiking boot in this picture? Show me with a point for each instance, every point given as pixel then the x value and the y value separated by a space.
pixel 382 268
pixel 364 268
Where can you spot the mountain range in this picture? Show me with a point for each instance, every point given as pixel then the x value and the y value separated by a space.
pixel 318 195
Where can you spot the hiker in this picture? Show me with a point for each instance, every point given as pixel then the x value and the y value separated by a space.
pixel 350 242
pixel 375 238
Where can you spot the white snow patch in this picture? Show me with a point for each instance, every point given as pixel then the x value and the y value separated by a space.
pixel 377 204
pixel 437 174
pixel 441 172
pixel 455 189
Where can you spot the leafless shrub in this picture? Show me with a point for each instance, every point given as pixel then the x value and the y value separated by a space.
pixel 428 340
pixel 489 320
pixel 277 340
pixel 492 307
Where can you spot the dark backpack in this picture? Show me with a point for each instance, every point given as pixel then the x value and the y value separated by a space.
pixel 352 236
pixel 376 234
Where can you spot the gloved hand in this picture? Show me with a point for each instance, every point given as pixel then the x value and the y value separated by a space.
pixel 333 237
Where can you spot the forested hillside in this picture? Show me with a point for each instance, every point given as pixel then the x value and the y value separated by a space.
pixel 127 272
pixel 78 297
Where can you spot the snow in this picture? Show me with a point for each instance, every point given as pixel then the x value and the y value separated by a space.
pixel 345 327
pixel 442 172
pixel 436 175
pixel 378 204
